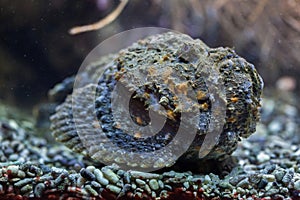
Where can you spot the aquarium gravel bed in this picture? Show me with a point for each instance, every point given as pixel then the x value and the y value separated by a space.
pixel 268 167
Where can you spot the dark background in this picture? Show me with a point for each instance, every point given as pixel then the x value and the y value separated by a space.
pixel 36 51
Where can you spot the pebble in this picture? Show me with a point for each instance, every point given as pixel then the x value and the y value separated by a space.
pixel 275 126
pixel 90 168
pixel 126 188
pixel 225 184
pixel 133 186
pixel 90 190
pixel 60 178
pixel 297 185
pixel 14 169
pixel 269 169
pixel 23 182
pixel 36 170
pixel 207 179
pixel 153 194
pixel 287 178
pixel 262 183
pixel 186 185
pixel 88 175
pixel 21 174
pixel 163 194
pixel 271 192
pixel 243 183
pixel 269 186
pixel 39 189
pixel 100 178
pixel 144 175
pixel 138 195
pixel 153 184
pixel 262 157
pixel 168 187
pixel 284 190
pixel 255 178
pixel 140 182
pixel 95 184
pixel 139 190
pixel 269 177
pixel 147 188
pixel 240 190
pixel 25 189
pixel 113 189
pixel 236 179
pixel 45 177
pixel 110 175
pixel 80 181
pixel 161 184
pixel 279 174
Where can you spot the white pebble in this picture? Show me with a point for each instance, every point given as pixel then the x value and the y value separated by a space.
pixel 262 157
pixel 297 185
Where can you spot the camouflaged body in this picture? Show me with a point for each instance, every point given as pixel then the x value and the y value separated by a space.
pixel 160 57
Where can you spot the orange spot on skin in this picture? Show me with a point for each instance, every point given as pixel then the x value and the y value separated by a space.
pixel 256 112
pixel 197 148
pixel 137 135
pixel 117 76
pixel 201 95
pixel 234 99
pixel 232 119
pixel 204 106
pixel 178 106
pixel 139 120
pixel 146 95
pixel 171 115
pixel 182 88
pixel 122 69
pixel 166 57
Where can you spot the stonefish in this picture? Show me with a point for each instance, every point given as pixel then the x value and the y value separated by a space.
pixel 170 81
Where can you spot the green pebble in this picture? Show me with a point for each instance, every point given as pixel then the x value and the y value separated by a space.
pixel 140 182
pixel 153 184
pixel 161 184
pixel 100 178
pixel 90 190
pixel 21 174
pixel 26 188
pixel 144 175
pixel 147 188
pixel 113 189
pixel 23 182
pixel 110 175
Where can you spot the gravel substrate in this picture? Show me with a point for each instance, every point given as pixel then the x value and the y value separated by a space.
pixel 269 168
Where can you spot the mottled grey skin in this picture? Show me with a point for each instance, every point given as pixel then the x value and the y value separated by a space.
pixel 188 57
